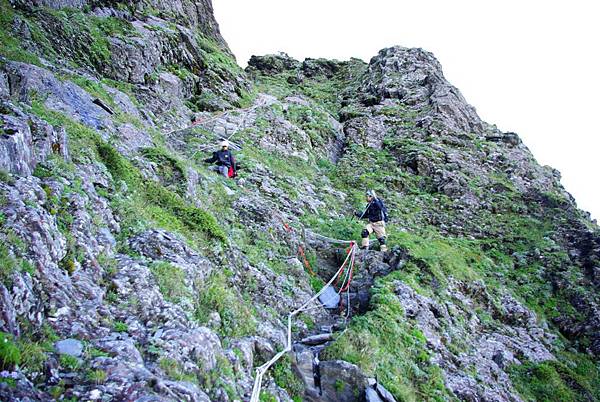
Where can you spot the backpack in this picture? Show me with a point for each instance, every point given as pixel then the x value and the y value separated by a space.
pixel 384 211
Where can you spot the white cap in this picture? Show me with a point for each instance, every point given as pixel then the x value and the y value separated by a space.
pixel 224 143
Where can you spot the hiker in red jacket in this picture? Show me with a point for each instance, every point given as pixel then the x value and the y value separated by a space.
pixel 223 160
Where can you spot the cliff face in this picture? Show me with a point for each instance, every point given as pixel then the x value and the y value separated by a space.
pixel 130 272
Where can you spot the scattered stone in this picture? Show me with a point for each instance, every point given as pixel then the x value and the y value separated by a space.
pixel 71 347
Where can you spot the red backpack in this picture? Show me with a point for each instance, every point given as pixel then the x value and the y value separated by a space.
pixel 232 173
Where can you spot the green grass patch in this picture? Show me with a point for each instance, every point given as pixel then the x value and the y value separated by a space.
pixel 575 377
pixel 313 121
pixel 174 370
pixel 10 44
pixel 277 163
pixel 83 37
pixel 96 377
pixel 386 345
pixel 171 170
pixel 119 167
pixel 155 200
pixel 5 177
pixel 120 326
pixel 33 355
pixel 266 396
pixel 284 376
pixel 237 317
pixel 10 355
pixel 70 363
pixel 8 265
pixel 216 58
pixel 194 218
pixel 443 257
pixel 171 281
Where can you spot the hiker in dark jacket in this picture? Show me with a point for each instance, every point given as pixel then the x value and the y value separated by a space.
pixel 377 216
pixel 223 160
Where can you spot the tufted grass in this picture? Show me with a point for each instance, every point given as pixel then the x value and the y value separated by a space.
pixel 174 370
pixel 285 377
pixel 217 295
pixel 574 377
pixel 120 326
pixel 10 355
pixel 70 363
pixel 8 265
pixel 171 281
pixel 96 377
pixel 34 355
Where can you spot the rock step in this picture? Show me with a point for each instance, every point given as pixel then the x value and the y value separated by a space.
pixel 376 392
pixel 318 339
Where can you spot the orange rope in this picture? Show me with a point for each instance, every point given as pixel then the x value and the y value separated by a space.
pixel 306 263
pixel 301 252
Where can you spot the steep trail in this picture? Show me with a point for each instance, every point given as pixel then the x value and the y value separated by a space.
pixel 111 227
pixel 342 300
pixel 349 263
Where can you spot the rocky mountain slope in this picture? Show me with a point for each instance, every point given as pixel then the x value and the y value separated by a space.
pixel 128 271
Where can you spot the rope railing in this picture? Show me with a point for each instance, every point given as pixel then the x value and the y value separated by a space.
pixel 259 103
pixel 260 371
pixel 336 241
pixel 331 240
pixel 198 123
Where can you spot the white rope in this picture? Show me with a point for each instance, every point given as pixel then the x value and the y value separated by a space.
pixel 350 268
pixel 203 122
pixel 331 240
pixel 260 371
pixel 260 103
pixel 337 241
pixel 218 116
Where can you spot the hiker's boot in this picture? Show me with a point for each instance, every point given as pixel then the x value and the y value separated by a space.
pixel 365 239
pixel 382 245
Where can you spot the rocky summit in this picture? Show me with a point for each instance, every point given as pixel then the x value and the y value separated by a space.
pixel 129 271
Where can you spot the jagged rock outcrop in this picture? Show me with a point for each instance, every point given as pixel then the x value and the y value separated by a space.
pixel 415 77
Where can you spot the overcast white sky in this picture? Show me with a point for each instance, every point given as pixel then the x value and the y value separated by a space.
pixel 532 67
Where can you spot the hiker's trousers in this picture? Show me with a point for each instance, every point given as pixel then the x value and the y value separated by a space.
pixel 377 227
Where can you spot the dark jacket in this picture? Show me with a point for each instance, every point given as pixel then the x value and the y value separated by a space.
pixel 374 211
pixel 222 158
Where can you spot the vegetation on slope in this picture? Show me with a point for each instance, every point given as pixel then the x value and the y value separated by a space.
pixel 513 248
